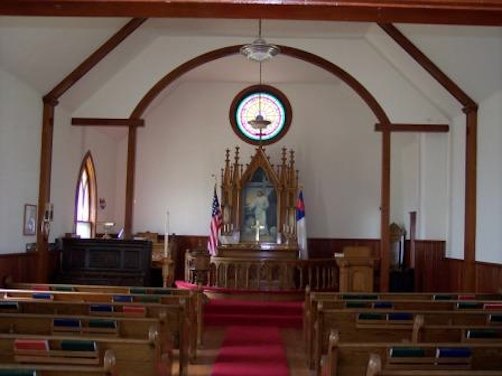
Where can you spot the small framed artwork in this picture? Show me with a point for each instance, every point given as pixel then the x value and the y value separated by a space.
pixel 30 220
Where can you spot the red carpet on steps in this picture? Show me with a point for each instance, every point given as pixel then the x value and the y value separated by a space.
pixel 251 351
pixel 263 313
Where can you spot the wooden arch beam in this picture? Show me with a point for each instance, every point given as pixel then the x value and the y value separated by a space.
pixel 308 57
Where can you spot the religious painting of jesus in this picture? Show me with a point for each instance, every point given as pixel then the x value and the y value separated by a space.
pixel 259 217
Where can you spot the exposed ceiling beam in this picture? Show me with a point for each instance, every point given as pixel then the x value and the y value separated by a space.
pixel 460 95
pixel 435 128
pixel 463 12
pixel 94 59
pixel 108 122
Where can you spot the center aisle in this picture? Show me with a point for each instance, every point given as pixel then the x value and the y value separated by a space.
pixel 251 351
pixel 253 343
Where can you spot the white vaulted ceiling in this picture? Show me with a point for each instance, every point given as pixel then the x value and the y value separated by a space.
pixel 41 51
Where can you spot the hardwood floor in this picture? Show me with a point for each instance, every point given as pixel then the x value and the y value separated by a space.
pixel 213 337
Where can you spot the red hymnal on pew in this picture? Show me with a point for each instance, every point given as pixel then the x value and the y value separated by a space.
pixel 31 344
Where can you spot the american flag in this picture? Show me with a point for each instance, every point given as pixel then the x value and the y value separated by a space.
pixel 216 220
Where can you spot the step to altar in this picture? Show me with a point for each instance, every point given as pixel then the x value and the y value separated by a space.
pixel 284 314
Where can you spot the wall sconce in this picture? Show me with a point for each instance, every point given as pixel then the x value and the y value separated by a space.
pixel 102 203
pixel 48 218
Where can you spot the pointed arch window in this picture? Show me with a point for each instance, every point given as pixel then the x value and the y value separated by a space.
pixel 85 199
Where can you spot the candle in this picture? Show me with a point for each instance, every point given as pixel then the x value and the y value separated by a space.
pixel 166 235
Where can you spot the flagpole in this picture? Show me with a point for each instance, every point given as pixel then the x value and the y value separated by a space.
pixel 166 235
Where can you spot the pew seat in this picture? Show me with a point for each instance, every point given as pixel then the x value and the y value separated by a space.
pixel 375 368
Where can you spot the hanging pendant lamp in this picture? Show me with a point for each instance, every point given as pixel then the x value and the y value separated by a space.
pixel 259 50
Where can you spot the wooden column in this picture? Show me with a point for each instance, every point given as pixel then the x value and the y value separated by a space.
pixel 413 236
pixel 131 170
pixel 44 187
pixel 385 211
pixel 469 269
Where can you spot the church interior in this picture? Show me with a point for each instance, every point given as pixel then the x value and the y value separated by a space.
pixel 227 188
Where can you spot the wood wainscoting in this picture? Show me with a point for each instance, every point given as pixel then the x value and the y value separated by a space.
pixel 22 267
pixel 488 276
pixel 434 271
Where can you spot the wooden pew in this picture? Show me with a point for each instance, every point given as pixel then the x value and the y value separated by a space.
pixel 171 318
pixel 194 297
pixel 395 301
pixel 133 356
pixel 106 297
pixel 374 368
pixel 350 358
pixel 46 324
pixel 387 301
pixel 192 300
pixel 393 325
pixel 107 367
pixel 313 297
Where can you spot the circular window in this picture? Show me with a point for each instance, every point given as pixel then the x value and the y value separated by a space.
pixel 273 106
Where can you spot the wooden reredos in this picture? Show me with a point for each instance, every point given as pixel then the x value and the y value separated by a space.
pixel 278 183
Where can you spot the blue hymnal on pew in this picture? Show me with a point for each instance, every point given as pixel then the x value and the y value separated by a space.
pixel 453 352
pixel 122 298
pixel 66 323
pixel 101 308
pixel 400 316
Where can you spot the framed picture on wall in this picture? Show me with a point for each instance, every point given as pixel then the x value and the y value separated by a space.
pixel 30 220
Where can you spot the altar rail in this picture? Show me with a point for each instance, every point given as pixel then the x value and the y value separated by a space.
pixel 266 275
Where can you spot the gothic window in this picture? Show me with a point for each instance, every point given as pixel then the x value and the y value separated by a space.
pixel 85 199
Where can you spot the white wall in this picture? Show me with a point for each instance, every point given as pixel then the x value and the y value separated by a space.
pixel 338 154
pixel 489 188
pixel 405 177
pixel 184 142
pixel 20 122
pixel 455 240
pixel 434 181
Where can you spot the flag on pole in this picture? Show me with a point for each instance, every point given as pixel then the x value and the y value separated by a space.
pixel 301 227
pixel 215 226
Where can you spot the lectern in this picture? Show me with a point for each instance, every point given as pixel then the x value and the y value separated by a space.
pixel 356 269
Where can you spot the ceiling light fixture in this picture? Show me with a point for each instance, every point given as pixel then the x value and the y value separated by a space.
pixel 259 50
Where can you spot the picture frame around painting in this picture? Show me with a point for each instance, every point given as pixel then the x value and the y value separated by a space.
pixel 30 220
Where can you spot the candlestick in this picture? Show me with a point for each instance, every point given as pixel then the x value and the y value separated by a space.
pixel 166 235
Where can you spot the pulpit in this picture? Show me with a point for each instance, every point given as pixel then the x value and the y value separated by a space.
pixel 356 268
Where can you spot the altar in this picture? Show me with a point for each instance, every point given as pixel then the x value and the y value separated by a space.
pixel 258 246
pixel 259 251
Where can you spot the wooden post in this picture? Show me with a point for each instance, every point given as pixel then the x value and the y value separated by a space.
pixel 385 211
pixel 44 186
pixel 413 234
pixel 469 267
pixel 131 169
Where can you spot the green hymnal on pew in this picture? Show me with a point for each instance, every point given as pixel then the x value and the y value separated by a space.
pixel 406 352
pixel 18 372
pixel 77 345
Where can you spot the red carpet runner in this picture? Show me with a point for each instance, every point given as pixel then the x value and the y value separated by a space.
pixel 255 313
pixel 251 351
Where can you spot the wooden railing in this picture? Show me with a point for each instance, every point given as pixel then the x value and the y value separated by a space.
pixel 251 274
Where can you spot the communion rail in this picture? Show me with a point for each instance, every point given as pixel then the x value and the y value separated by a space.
pixel 266 275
